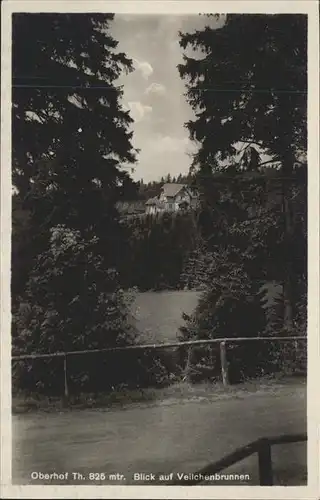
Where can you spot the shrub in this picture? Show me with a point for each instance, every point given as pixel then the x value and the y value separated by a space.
pixel 72 302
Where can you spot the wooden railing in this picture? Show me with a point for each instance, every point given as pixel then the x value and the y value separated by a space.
pixel 261 446
pixel 188 343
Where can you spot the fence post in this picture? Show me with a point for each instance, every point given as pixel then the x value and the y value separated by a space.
pixel 188 364
pixel 66 389
pixel 224 364
pixel 265 463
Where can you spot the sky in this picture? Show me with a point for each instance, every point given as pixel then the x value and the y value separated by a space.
pixel 154 91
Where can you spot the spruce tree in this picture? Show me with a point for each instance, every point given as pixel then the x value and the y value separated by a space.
pixel 71 139
pixel 254 94
pixel 71 153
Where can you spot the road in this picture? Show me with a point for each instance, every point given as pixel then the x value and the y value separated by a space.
pixel 173 435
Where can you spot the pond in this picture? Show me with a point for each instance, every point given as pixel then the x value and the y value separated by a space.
pixel 159 314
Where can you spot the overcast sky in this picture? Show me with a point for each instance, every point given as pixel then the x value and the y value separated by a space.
pixel 154 91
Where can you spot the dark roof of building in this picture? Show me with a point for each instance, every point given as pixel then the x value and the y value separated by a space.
pixel 171 189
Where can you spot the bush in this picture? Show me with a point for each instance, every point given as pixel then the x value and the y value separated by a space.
pixel 72 302
pixel 243 316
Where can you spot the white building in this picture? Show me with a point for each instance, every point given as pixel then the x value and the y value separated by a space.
pixel 173 197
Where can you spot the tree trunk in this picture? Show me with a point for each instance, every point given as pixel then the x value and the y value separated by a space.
pixel 288 301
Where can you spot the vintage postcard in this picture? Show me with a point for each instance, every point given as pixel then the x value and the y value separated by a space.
pixel 160 249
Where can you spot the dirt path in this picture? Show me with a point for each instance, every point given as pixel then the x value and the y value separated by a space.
pixel 171 436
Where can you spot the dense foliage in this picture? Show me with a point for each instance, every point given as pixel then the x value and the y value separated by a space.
pixel 71 303
pixel 71 146
pixel 239 261
pixel 71 138
pixel 158 247
pixel 253 96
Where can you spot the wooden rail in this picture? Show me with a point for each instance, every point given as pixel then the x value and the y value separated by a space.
pixel 163 345
pixel 261 446
pixel 166 345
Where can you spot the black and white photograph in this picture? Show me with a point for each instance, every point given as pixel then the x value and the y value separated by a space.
pixel 159 274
